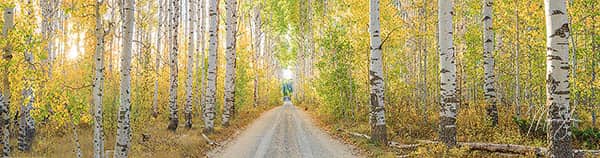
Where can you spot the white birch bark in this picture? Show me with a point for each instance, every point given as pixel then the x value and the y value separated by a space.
pixel 449 99
pixel 516 62
pixel 255 23
pixel 309 42
pixel 76 137
pixel 173 64
pixel 594 62
pixel 115 40
pixel 202 47
pixel 230 50
pixel 211 86
pixel 98 85
pixel 26 122
pixel 377 114
pixel 190 65
pixel 197 83
pixel 123 127
pixel 48 10
pixel 517 76
pixel 159 50
pixel 5 140
pixel 4 109
pixel 488 62
pixel 424 47
pixel 557 79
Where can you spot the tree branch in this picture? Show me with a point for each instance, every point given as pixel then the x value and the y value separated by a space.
pixel 388 36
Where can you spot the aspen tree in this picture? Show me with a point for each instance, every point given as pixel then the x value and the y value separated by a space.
pixel 447 64
pixel 173 64
pixel 377 114
pixel 202 50
pixel 230 55
pixel 557 79
pixel 211 86
pixel 123 141
pixel 488 62
pixel 98 84
pixel 159 49
pixel 26 123
pixel 190 63
pixel 5 108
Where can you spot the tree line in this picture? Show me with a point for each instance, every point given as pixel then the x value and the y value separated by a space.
pixel 466 70
pixel 430 68
pixel 557 75
pixel 127 36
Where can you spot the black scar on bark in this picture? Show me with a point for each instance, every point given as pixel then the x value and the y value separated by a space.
pixel 554 57
pixel 562 92
pixel 487 18
pixel 562 31
pixel 444 70
pixel 553 83
pixel 489 4
pixel 375 77
pixel 556 12
pixel 374 102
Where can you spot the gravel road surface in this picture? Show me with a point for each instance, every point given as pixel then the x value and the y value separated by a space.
pixel 284 132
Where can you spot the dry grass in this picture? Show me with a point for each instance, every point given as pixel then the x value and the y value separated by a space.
pixel 51 142
pixel 406 125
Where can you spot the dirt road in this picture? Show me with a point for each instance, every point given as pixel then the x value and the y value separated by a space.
pixel 284 132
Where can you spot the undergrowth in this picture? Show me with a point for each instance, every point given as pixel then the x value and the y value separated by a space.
pixel 150 138
pixel 407 124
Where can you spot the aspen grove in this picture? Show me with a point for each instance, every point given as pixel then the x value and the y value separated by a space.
pixel 386 78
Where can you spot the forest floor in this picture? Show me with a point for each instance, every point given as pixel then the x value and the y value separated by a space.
pixel 405 130
pixel 150 138
pixel 285 131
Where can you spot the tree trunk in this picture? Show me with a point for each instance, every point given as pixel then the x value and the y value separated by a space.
pixel 202 47
pixel 47 9
pixel 231 23
pixel 5 100
pixel 573 71
pixel 517 43
pixel 256 22
pixel 4 123
pixel 123 127
pixel 424 49
pixel 190 70
pixel 159 50
pixel 449 100
pixel 488 63
pixel 255 81
pixel 76 136
pixel 26 122
pixel 517 65
pixel 211 87
pixel 309 47
pixel 594 62
pixel 377 114
pixel 557 79
pixel 173 64
pixel 98 85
